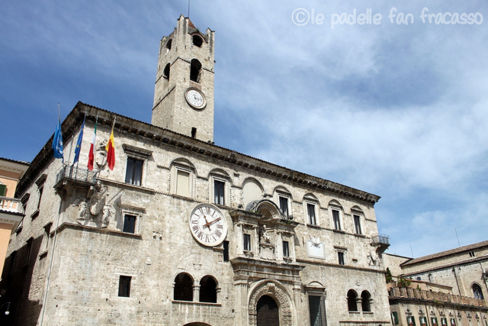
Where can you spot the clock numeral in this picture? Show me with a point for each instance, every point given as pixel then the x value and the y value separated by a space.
pixel 214 238
pixel 218 233
pixel 220 226
pixel 207 238
pixel 194 221
pixel 195 228
pixel 200 235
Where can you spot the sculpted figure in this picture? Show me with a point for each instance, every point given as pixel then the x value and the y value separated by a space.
pixel 82 212
pixel 107 211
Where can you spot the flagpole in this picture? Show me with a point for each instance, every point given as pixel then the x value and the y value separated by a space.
pixel 61 132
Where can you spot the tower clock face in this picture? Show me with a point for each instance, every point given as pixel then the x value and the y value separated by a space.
pixel 208 225
pixel 195 98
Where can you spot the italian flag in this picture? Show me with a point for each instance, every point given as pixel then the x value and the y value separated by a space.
pixel 110 148
pixel 91 155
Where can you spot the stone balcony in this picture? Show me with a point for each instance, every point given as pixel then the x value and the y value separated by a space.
pixel 11 205
pixel 381 242
pixel 11 211
pixel 431 297
pixel 75 175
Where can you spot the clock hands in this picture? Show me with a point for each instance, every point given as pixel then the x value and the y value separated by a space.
pixel 214 221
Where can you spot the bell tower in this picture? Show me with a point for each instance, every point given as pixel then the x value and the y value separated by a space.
pixel 184 90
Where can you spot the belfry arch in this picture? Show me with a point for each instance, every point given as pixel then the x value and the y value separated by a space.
pixel 278 293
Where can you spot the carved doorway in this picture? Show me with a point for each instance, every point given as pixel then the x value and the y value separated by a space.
pixel 267 312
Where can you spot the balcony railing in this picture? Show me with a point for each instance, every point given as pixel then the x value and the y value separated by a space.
pixel 74 173
pixel 436 297
pixel 381 240
pixel 11 205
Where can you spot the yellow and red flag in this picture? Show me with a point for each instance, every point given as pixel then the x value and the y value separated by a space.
pixel 110 148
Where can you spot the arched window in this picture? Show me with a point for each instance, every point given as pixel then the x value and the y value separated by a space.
pixel 197 40
pixel 208 289
pixel 478 294
pixel 168 44
pixel 166 71
pixel 352 300
pixel 195 69
pixel 365 301
pixel 183 287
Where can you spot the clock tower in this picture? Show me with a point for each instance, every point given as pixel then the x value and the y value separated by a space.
pixel 184 90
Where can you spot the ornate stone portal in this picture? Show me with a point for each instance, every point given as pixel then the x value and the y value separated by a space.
pixel 276 291
pixel 268 267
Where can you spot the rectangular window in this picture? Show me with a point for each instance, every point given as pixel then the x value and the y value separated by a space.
pixel 183 183
pixel 129 223
pixel 41 189
pixel 443 321
pixel 219 187
pixel 247 242
pixel 315 308
pixel 3 190
pixel 226 250
pixel 453 322
pixel 471 254
pixel 311 214
pixel 284 205
pixel 340 256
pixel 394 318
pixel 433 321
pixel 124 286
pixel 133 173
pixel 337 221
pixel 357 224
pixel 286 249
pixel 410 321
pixel 423 321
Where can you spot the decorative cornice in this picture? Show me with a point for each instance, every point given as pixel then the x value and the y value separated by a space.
pixel 193 146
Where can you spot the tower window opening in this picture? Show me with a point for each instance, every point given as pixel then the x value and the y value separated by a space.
pixel 195 70
pixel 193 132
pixel 197 40
pixel 183 289
pixel 208 289
pixel 166 71
pixel 168 44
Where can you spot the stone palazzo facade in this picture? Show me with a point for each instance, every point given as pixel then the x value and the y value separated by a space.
pixel 184 232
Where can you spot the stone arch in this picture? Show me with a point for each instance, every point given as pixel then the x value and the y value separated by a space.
pixel 264 207
pixel 276 291
pixel 311 197
pixel 477 291
pixel 197 324
pixel 357 209
pixel 183 161
pixel 283 190
pixel 334 202
pixel 251 190
pixel 219 172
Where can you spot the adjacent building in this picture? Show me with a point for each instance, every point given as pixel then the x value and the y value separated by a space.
pixel 445 288
pixel 11 209
pixel 184 232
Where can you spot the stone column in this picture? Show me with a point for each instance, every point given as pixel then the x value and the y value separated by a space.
pixel 241 304
pixel 196 292
pixel 279 246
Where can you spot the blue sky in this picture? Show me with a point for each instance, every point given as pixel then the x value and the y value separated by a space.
pixel 397 110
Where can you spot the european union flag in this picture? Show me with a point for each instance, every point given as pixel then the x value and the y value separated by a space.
pixel 78 143
pixel 58 142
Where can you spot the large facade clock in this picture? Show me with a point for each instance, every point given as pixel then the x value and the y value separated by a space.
pixel 195 98
pixel 208 225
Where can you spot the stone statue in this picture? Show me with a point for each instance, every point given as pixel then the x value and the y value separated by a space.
pixel 101 155
pixel 82 206
pixel 373 258
pixel 107 211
